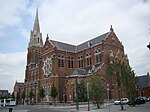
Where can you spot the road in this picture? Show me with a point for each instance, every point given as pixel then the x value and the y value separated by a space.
pixel 22 108
pixel 83 108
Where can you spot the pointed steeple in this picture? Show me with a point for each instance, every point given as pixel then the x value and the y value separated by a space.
pixel 36 27
pixel 36 35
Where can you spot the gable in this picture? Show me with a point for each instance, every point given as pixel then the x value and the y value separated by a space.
pixel 113 40
pixel 48 45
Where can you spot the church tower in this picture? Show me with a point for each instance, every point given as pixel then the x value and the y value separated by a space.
pixel 34 51
pixel 36 43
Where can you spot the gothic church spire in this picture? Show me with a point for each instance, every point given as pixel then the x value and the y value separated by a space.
pixel 36 36
pixel 36 27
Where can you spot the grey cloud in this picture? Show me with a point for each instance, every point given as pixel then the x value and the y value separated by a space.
pixel 10 13
pixel 12 68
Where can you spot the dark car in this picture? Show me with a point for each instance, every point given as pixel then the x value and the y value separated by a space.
pixel 137 101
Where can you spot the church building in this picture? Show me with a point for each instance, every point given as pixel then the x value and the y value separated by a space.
pixel 61 64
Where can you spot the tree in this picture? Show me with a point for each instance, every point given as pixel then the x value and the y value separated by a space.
pixel 54 93
pixel 18 97
pixel 41 93
pixel 82 91
pixel 23 95
pixel 122 75
pixel 31 94
pixel 96 90
pixel 129 83
pixel 13 96
pixel 115 71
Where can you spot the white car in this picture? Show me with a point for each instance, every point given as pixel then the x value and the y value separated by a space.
pixel 123 101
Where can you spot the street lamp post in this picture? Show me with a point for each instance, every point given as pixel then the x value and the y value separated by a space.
pixel 108 92
pixel 35 94
pixel 75 90
pixel 120 95
pixel 76 95
pixel 88 97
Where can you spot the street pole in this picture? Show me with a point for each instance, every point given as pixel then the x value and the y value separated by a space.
pixel 77 103
pixel 35 95
pixel 120 89
pixel 121 100
pixel 108 92
pixel 88 97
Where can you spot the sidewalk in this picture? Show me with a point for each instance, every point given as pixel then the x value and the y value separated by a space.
pixel 72 108
pixel 107 107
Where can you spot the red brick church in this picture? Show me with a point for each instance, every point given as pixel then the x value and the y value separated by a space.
pixel 58 63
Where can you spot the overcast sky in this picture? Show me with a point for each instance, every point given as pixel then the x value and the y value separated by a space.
pixel 74 22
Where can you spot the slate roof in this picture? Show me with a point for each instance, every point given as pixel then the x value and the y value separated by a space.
pixel 19 83
pixel 80 47
pixel 64 46
pixel 78 71
pixel 93 42
pixel 85 71
pixel 142 81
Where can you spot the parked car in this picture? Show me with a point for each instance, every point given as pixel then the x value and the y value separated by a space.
pixel 3 102
pixel 148 99
pixel 122 101
pixel 137 101
pixel 145 98
pixel 10 102
pixel 7 102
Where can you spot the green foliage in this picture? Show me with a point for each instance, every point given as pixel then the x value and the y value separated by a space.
pixel 23 95
pixel 18 97
pixel 31 94
pixel 54 92
pixel 129 82
pixel 122 75
pixel 3 97
pixel 96 90
pixel 82 91
pixel 41 93
pixel 115 70
pixel 12 95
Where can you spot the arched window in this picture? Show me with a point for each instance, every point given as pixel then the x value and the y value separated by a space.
pixel 88 59
pixel 70 62
pixel 98 56
pixel 80 62
pixel 60 61
pixel 38 40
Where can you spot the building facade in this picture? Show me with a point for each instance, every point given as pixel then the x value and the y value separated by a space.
pixel 143 85
pixel 62 64
pixel 4 94
pixel 17 93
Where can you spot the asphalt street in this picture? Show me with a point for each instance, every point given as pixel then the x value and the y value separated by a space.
pixel 83 108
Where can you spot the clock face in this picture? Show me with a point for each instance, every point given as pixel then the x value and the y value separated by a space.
pixel 47 67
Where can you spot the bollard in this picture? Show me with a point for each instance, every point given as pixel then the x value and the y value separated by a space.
pixel 10 109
